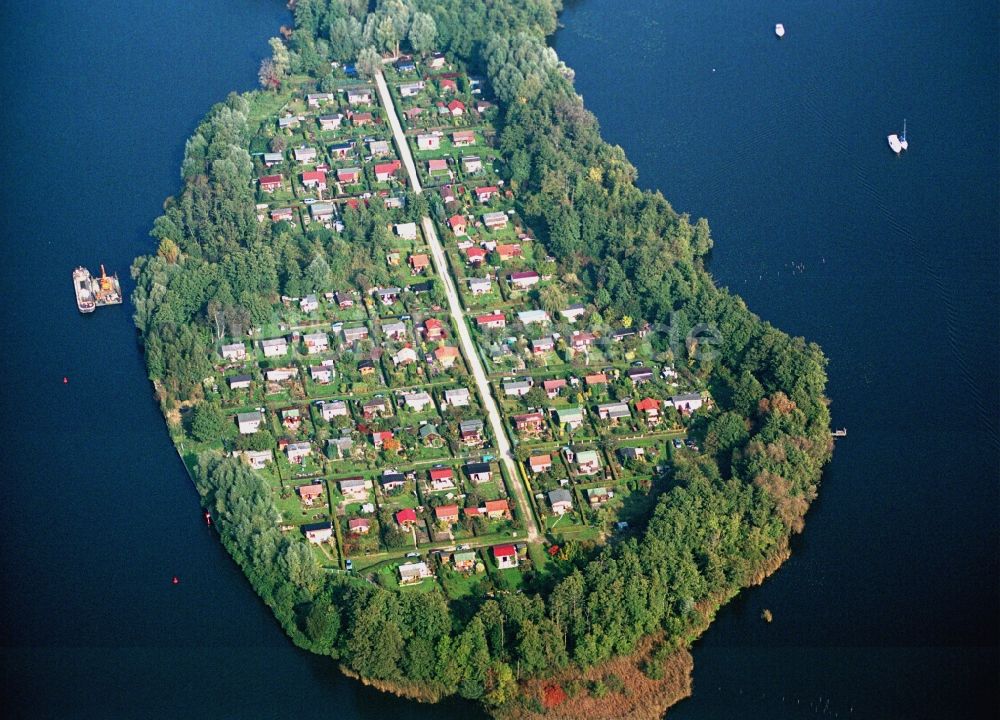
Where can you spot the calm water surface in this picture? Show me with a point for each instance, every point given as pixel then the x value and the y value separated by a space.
pixel 889 607
pixel 97 511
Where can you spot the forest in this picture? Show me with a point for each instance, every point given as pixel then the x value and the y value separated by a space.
pixel 727 515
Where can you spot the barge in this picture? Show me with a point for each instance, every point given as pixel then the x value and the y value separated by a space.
pixel 92 292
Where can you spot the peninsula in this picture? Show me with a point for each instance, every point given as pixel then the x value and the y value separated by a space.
pixel 462 401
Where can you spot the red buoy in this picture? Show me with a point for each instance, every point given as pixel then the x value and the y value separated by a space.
pixel 176 580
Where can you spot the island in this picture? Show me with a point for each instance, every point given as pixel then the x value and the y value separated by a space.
pixel 462 401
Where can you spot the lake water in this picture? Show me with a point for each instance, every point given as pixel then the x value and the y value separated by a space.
pixel 888 608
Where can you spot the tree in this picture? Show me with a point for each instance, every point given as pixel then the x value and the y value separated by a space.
pixel 345 38
pixel 207 423
pixel 423 32
pixel 268 75
pixel 279 56
pixel 369 62
pixel 169 251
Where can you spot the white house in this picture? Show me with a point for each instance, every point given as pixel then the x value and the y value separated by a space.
pixel 249 422
pixel 275 347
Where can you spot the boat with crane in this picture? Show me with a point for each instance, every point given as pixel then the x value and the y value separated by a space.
pixel 92 293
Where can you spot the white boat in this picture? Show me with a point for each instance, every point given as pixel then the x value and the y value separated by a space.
pixel 779 30
pixel 898 142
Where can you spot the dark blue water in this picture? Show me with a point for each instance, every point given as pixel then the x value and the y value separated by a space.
pixel 96 511
pixel 889 606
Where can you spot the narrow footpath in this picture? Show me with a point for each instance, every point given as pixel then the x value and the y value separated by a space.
pixel 458 315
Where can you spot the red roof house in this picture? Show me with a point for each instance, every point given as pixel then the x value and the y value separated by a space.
pixel 456 108
pixel 384 171
pixel 314 179
pixel 491 320
pixel 406 516
pixel 433 329
pixel 457 223
pixel 446 513
pixel 505 555
pixel 270 183
pixel 485 194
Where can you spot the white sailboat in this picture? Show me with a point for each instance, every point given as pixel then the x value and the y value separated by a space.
pixel 898 142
